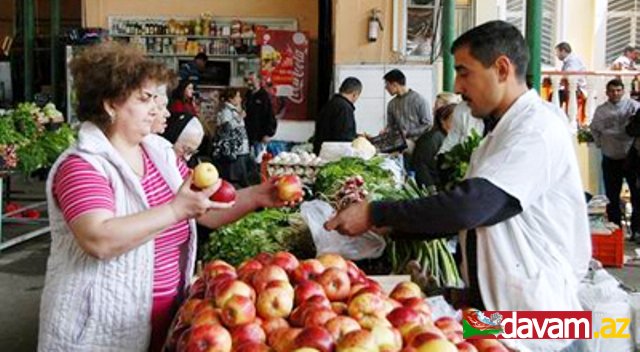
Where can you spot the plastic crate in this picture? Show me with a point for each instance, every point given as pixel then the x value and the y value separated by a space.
pixel 609 249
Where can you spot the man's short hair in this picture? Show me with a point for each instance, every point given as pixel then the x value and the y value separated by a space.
pixel 201 56
pixel 395 76
pixel 564 46
pixel 629 49
pixel 615 83
pixel 351 85
pixel 492 39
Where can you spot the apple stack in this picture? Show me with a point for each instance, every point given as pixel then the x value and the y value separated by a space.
pixel 273 302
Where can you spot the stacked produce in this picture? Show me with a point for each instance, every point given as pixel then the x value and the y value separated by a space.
pixel 32 138
pixel 274 302
pixel 302 163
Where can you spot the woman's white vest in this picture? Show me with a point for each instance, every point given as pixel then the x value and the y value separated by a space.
pixel 103 305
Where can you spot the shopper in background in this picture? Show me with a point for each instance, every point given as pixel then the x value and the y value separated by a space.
pixel 260 122
pixel 183 99
pixel 192 71
pixel 427 147
pixel 626 61
pixel 445 98
pixel 160 123
pixel 408 112
pixel 336 121
pixel 120 204
pixel 185 132
pixel 608 129
pixel 527 246
pixel 571 62
pixel 231 144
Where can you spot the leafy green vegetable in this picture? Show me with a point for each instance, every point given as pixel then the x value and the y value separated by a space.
pixel 456 161
pixel 270 230
pixel 332 175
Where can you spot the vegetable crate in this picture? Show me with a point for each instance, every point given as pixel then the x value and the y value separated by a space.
pixel 609 249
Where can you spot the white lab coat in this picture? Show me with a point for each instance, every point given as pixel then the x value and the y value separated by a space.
pixel 534 260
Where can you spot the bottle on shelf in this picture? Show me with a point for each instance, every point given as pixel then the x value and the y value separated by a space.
pixel 635 88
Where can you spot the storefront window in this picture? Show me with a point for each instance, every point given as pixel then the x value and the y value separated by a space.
pixel 423 19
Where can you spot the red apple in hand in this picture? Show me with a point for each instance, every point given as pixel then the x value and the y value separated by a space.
pixel 225 194
pixel 289 188
pixel 205 175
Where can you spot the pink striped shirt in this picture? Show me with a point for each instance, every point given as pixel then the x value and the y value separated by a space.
pixel 80 189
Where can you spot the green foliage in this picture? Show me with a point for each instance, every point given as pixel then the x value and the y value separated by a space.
pixel 456 161
pixel 331 176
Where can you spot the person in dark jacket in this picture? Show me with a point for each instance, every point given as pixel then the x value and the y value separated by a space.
pixel 260 121
pixel 427 147
pixel 336 121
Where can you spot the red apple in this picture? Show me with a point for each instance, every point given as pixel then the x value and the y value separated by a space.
pixel 454 336
pixel 289 188
pixel 307 270
pixel 251 332
pixel 406 289
pixel 210 338
pixel 205 175
pixel 282 340
pixel 318 317
pixel 306 289
pixel 336 283
pixel 428 341
pixel 410 331
pixel 227 289
pixel 417 304
pixel 315 337
pixel 388 339
pixel 298 315
pixel 403 315
pixel 238 310
pixel 187 311
pixel 175 336
pixel 247 269
pixel 339 307
pixel 448 324
pixel 466 346
pixel 213 283
pixel 366 304
pixel 225 194
pixel 364 288
pixel 358 340
pixel 332 260
pixel 267 274
pixel 271 325
pixel 320 300
pixel 355 274
pixel 340 326
pixel 211 270
pixel 205 313
pixel 264 258
pixel 198 288
pixel 252 347
pixel 286 261
pixel 369 321
pixel 275 302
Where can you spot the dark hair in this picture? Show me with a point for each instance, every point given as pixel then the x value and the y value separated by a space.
pixel 201 56
pixel 564 46
pixel 178 93
pixel 615 83
pixel 629 49
pixel 443 114
pixel 229 94
pixel 110 72
pixel 492 39
pixel 395 76
pixel 351 85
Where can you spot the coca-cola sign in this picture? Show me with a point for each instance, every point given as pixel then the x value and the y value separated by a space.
pixel 285 69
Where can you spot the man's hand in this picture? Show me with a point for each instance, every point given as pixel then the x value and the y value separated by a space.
pixel 352 221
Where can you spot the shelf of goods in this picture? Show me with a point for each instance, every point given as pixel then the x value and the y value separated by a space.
pixel 181 38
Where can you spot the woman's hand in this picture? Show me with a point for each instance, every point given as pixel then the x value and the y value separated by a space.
pixel 191 203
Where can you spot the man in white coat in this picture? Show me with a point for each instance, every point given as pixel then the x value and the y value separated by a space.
pixel 522 202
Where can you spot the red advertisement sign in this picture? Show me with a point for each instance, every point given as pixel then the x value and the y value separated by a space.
pixel 284 68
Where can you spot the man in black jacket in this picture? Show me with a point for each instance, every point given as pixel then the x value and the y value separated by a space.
pixel 336 121
pixel 260 122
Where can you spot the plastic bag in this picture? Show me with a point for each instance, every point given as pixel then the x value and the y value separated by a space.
pixel 315 213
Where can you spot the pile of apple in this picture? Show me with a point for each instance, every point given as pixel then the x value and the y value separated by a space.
pixel 274 302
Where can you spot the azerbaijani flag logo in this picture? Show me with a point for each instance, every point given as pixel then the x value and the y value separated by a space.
pixel 476 325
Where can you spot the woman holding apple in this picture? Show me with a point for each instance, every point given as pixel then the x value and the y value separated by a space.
pixel 122 213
